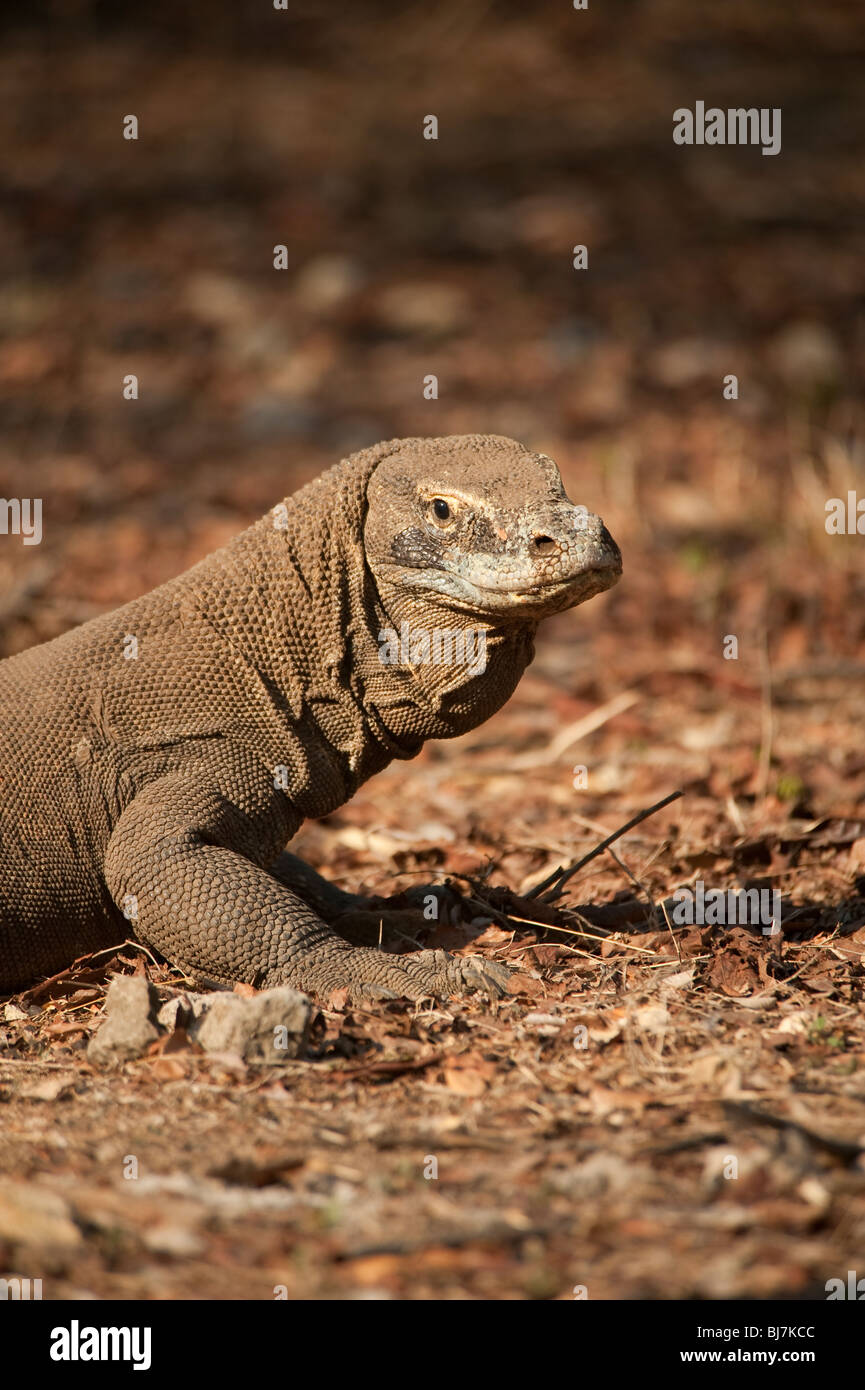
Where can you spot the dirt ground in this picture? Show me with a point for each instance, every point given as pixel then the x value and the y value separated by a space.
pixel 659 1109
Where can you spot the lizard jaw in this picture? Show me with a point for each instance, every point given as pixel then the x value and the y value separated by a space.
pixel 523 598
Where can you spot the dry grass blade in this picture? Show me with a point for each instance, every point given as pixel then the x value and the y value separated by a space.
pixel 551 887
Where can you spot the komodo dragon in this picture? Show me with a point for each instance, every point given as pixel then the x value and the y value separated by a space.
pixel 155 761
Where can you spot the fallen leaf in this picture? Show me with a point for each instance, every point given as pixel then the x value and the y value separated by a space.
pixel 651 1018
pixel 547 955
pixel 857 854
pixel 524 984
pixel 732 976
pixel 62 1026
pixel 49 1088
pixel 337 1000
pixel 167 1068
pixel 469 1074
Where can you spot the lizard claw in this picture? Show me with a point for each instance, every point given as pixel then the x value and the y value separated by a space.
pixel 487 975
pixel 430 974
pixel 456 974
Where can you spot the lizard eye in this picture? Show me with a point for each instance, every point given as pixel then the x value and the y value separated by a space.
pixel 440 512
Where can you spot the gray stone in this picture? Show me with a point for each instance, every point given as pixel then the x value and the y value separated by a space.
pixel 183 1010
pixel 268 1027
pixel 34 1217
pixel 129 1026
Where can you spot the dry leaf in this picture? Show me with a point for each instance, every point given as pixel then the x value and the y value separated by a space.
pixel 337 1000
pixel 167 1068
pixel 524 984
pixel 48 1088
pixel 469 1074
pixel 732 976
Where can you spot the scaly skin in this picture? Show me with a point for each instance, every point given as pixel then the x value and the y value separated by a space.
pixel 166 785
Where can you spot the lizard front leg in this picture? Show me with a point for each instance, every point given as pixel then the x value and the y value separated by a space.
pixel 322 895
pixel 185 854
pixel 361 919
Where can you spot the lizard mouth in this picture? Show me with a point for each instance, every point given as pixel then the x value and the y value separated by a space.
pixel 601 574
pixel 519 595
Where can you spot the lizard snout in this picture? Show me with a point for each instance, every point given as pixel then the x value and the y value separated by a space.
pixel 573 552
pixel 545 545
pixel 582 542
pixel 609 549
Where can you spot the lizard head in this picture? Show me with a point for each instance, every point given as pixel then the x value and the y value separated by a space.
pixel 482 525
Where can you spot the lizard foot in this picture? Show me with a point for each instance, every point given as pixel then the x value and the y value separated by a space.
pixel 370 974
pixel 439 974
pixel 491 976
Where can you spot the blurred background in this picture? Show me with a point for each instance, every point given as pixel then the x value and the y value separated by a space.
pixel 409 256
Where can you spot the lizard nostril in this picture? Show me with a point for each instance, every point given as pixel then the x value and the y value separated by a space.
pixel 545 545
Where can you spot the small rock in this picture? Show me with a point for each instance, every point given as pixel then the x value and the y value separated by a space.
pixel 271 1027
pixel 326 281
pixel 176 1241
pixel 685 361
pixel 129 1026
pixel 183 1010
pixel 49 1088
pixel 34 1216
pixel 422 307
pixel 222 300
pixel 804 353
pixel 602 1173
pixel 173 1014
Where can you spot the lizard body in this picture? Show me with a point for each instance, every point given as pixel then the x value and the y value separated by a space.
pixel 156 760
